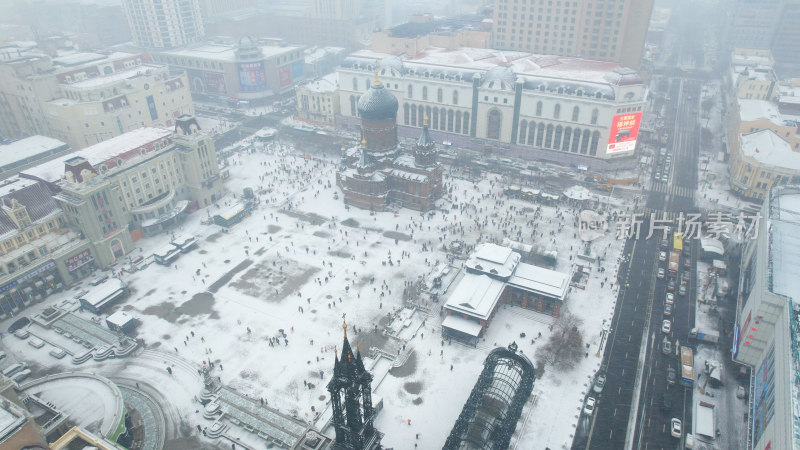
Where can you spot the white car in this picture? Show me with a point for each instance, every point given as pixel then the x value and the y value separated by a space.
pixel 599 383
pixel 666 326
pixel 36 343
pixel 675 428
pixel 670 298
pixel 588 408
pixel 662 256
pixel 22 333
pixel 661 272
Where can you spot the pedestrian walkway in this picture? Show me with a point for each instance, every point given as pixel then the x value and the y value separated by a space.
pixel 678 191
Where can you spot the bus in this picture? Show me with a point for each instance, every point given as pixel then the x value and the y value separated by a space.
pixel 687 366
pixel 677 241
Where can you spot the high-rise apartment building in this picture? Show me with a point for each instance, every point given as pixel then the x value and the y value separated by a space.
pixel 607 30
pixel 164 23
pixel 768 24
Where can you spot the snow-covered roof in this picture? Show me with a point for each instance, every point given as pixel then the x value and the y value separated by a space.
pixel 183 239
pixel 226 53
pixel 767 148
pixel 328 83
pixel 11 418
pixel 494 260
pixel 704 421
pixel 461 324
pixel 419 178
pixel 119 318
pixel 750 110
pixel 784 229
pixel 166 250
pixel 312 55
pixel 709 244
pixel 27 148
pixel 540 281
pixel 96 154
pixel 115 77
pixel 518 63
pixel 475 295
pixel 104 291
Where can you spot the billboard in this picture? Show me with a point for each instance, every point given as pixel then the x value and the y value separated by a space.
pixel 78 260
pixel 624 131
pixel 285 76
pixel 252 77
pixel 212 83
pixel 763 395
pixel 297 70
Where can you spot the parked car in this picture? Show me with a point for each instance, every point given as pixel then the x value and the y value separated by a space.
pixel 672 375
pixel 14 368
pixel 36 342
pixel 22 334
pixel 661 272
pixel 21 375
pixel 670 298
pixel 599 383
pixel 667 310
pixel 58 353
pixel 588 408
pixel 675 428
pixel 666 326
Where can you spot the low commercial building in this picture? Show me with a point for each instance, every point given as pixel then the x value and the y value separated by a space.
pixel 121 321
pixel 562 109
pixel 767 328
pixel 139 183
pixel 39 253
pixel 763 160
pixel 318 100
pixel 752 75
pixel 104 295
pixel 28 152
pixel 250 70
pixel 493 277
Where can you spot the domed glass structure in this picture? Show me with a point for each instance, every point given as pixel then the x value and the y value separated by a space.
pixel 378 103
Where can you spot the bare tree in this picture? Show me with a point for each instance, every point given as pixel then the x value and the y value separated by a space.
pixel 564 348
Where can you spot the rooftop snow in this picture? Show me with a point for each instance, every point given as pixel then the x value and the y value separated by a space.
pixel 52 171
pixel 221 52
pixel 76 59
pixel 785 244
pixel 475 295
pixel 521 63
pixel 114 77
pixel 10 418
pixel 101 292
pixel 540 281
pixel 493 259
pixel 119 318
pixel 463 325
pixel 328 83
pixel 766 147
pixel 750 110
pixel 27 148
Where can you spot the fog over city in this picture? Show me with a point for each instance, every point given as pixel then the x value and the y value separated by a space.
pixel 382 224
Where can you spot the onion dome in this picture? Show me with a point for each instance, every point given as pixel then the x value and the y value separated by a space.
pixel 378 103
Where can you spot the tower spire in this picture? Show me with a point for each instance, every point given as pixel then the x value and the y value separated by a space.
pixel 377 79
pixel 344 325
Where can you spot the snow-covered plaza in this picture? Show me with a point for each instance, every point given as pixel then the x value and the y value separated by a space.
pixel 301 260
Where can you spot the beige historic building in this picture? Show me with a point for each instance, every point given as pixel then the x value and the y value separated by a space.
pixel 605 30
pixel 763 160
pixel 424 30
pixel 318 100
pixel 751 74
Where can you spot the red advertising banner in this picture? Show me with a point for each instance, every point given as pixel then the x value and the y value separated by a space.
pixel 624 131
pixel 285 76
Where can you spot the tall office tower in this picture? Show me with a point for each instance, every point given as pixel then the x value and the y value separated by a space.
pixel 753 23
pixel 786 42
pixel 608 30
pixel 164 23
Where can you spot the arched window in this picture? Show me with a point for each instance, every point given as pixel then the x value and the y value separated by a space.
pixel 458 122
pixel 595 112
pixel 576 140
pixel 548 140
pixel 575 113
pixel 493 124
pixel 585 141
pixel 466 123
pixel 557 137
pixel 557 111
pixel 455 97
pixel 410 91
pixel 421 114
pixel 353 105
pixel 450 120
pixel 425 92
pixel 428 114
pixel 595 141
pixel 539 109
pixel 567 138
pixel 523 127
pixel 405 114
pixel 442 119
pixel 539 135
pixel 435 119
pixel 413 116
pixel 531 132
pixel 355 84
pixel 439 95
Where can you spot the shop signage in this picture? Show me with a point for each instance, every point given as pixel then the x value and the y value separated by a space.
pixel 79 260
pixel 12 284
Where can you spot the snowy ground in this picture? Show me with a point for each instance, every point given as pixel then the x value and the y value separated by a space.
pixel 241 286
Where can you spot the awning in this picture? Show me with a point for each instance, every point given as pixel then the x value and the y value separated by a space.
pixel 466 326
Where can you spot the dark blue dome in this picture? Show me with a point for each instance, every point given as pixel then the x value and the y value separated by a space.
pixel 377 103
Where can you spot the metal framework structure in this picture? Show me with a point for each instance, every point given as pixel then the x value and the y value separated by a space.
pixel 351 400
pixel 492 410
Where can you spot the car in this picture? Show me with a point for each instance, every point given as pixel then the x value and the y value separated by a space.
pixel 36 342
pixel 662 256
pixel 672 375
pixel 21 375
pixel 670 298
pixel 667 310
pixel 58 353
pixel 661 272
pixel 666 326
pixel 671 285
pixel 682 289
pixel 666 346
pixel 22 334
pixel 599 383
pixel 664 243
pixel 14 368
pixel 687 263
pixel 675 428
pixel 588 408
pixel 664 178
pixel 666 402
pixel 740 392
pixel 686 276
